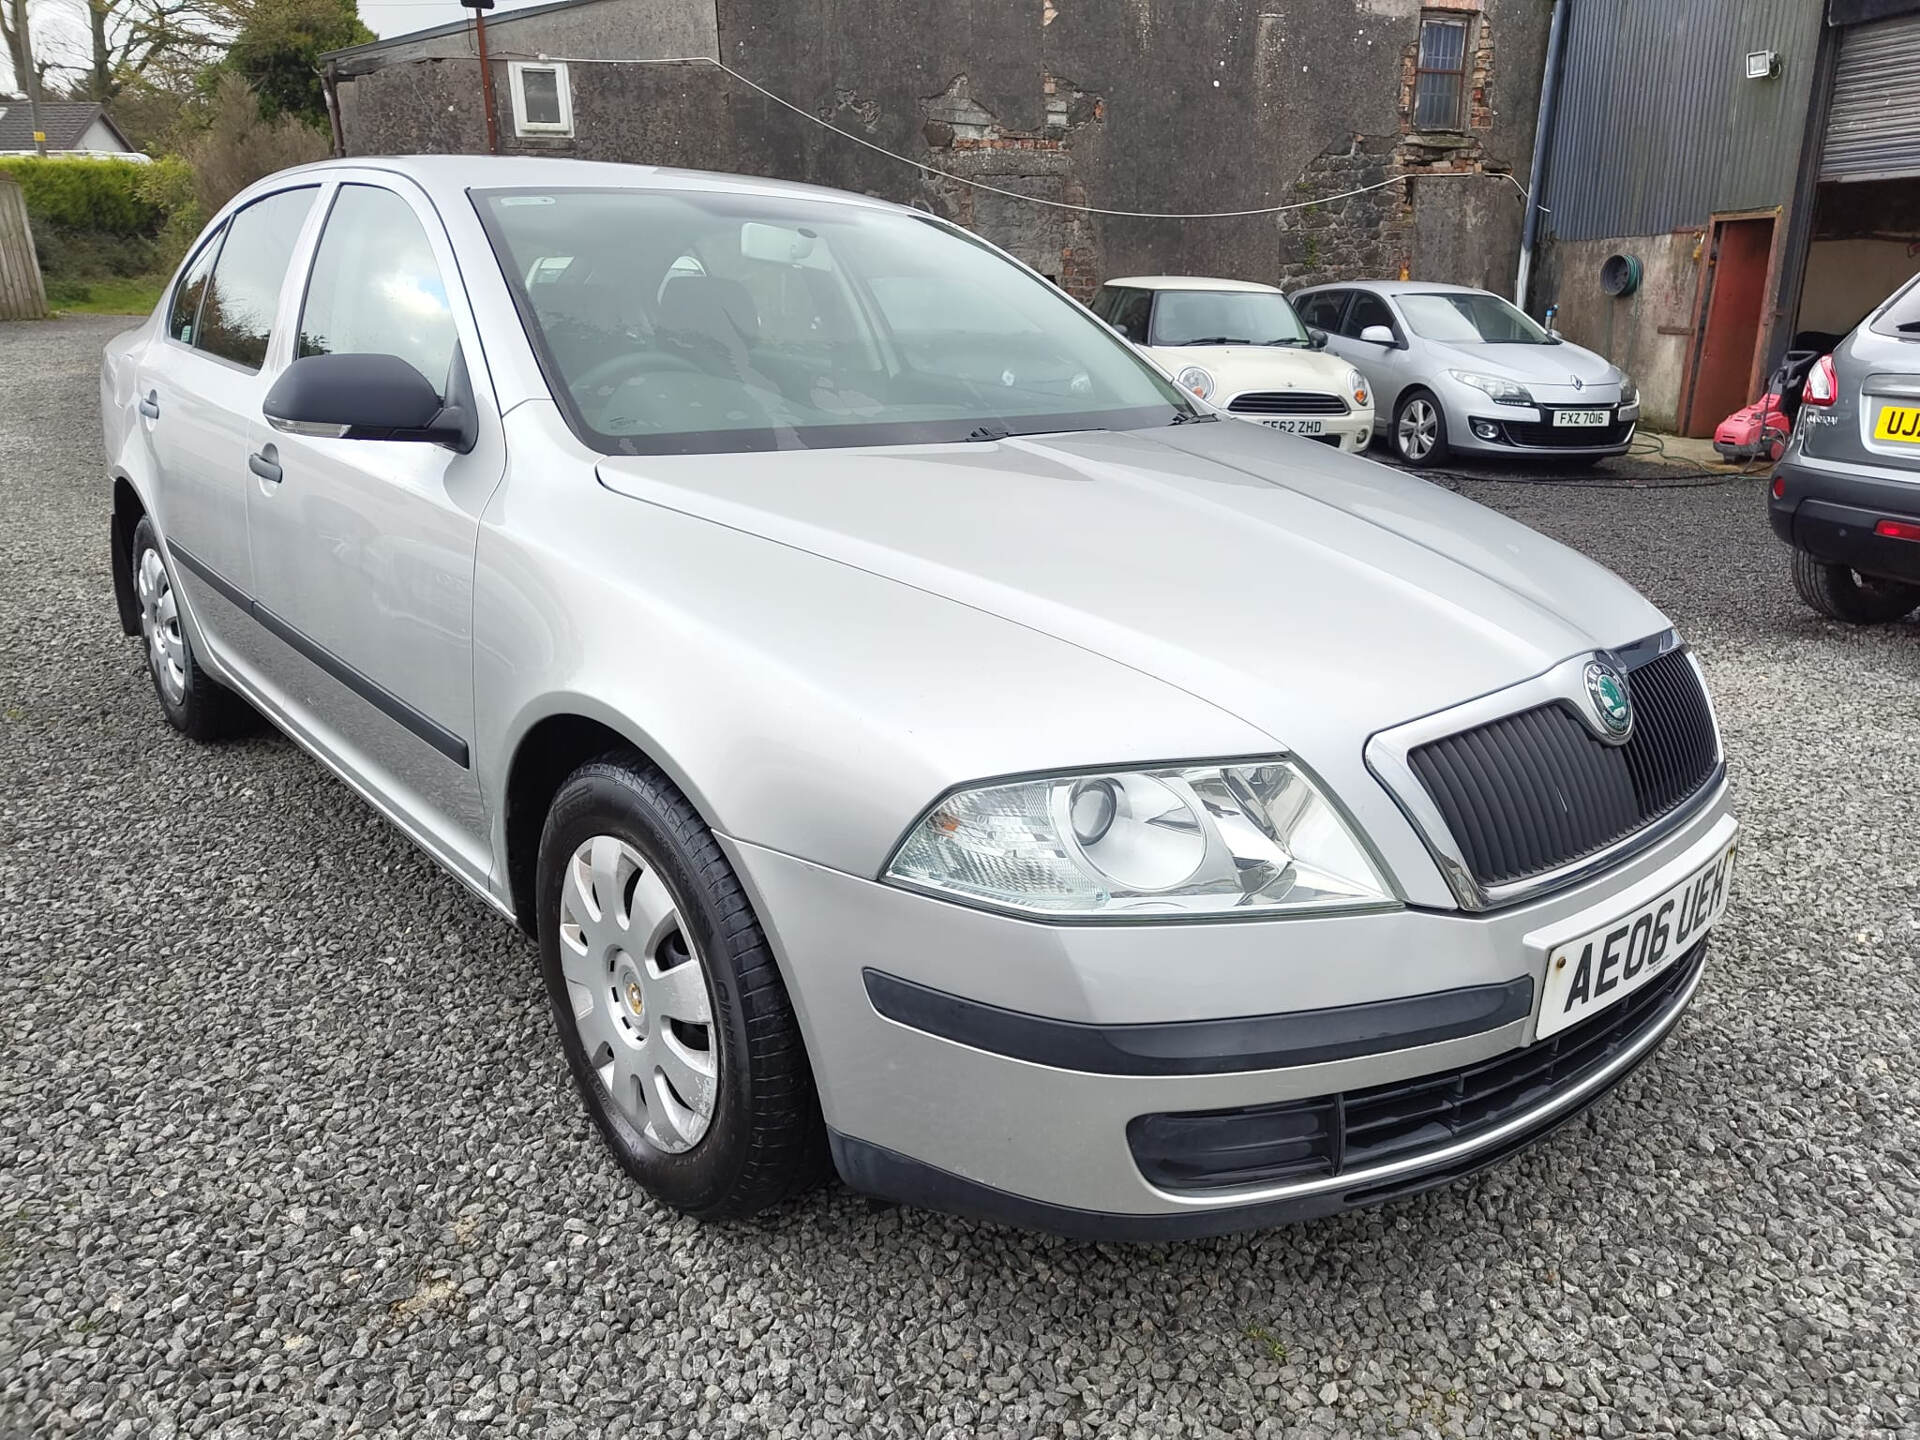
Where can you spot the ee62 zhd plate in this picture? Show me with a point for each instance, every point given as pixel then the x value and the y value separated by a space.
pixel 1592 971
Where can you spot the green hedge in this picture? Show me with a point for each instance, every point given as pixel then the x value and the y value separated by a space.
pixel 71 193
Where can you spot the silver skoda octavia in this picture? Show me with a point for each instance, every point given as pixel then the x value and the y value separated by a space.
pixel 919 738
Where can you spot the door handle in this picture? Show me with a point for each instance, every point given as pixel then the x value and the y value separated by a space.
pixel 150 405
pixel 266 464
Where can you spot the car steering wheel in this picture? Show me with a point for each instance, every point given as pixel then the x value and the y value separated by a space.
pixel 617 368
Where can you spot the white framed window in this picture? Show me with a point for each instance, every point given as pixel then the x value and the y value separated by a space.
pixel 542 100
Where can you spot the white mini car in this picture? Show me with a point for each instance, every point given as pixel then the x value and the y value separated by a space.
pixel 1239 346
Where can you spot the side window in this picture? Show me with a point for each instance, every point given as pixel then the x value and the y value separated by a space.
pixel 1103 302
pixel 236 316
pixel 1322 311
pixel 1368 309
pixel 1130 313
pixel 184 317
pixel 376 288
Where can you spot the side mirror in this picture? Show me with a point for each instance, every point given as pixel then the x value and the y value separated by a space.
pixel 1378 335
pixel 1316 338
pixel 371 397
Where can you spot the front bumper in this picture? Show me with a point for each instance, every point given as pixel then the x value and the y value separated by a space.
pixel 973 1121
pixel 1830 510
pixel 1475 425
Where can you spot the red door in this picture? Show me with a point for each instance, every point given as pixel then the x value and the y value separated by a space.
pixel 1736 283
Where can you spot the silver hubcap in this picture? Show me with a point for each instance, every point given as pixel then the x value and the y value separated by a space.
pixel 639 993
pixel 160 625
pixel 1419 428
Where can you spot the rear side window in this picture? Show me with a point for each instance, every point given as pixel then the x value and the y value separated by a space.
pixel 1901 319
pixel 184 318
pixel 1322 311
pixel 376 288
pixel 236 317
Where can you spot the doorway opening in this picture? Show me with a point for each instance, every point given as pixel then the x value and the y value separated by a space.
pixel 1736 266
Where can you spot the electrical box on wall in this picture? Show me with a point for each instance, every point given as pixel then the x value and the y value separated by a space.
pixel 1763 64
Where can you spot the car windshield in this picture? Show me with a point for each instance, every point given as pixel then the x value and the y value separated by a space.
pixel 1470 319
pixel 674 322
pixel 1224 317
pixel 1901 319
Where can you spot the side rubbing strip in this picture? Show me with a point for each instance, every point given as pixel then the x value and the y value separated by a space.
pixel 1204 1047
pixel 371 691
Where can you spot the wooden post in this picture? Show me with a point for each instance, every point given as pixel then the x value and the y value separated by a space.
pixel 22 296
pixel 486 80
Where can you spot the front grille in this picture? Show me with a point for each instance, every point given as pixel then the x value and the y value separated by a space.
pixel 1287 402
pixel 1357 1129
pixel 1548 436
pixel 1531 792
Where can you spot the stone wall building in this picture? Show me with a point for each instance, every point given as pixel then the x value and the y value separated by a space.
pixel 1122 105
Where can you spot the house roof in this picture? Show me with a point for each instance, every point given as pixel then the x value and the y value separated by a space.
pixel 64 121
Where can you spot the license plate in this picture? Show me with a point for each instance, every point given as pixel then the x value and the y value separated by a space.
pixel 1898 422
pixel 1296 427
pixel 1604 966
pixel 1579 417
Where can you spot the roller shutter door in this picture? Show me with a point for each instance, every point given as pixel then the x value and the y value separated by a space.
pixel 1873 130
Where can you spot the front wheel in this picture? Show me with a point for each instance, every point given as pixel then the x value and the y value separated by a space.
pixel 1840 593
pixel 675 1021
pixel 1419 430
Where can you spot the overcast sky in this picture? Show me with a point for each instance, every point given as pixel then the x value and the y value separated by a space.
pixel 60 26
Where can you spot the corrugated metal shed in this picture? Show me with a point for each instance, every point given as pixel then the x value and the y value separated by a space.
pixel 1873 131
pixel 1658 128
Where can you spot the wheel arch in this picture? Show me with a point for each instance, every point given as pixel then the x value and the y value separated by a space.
pixel 128 511
pixel 552 742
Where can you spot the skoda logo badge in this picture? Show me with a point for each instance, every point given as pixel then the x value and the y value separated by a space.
pixel 1612 707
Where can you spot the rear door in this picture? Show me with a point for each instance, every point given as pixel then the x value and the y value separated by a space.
pixel 200 387
pixel 363 549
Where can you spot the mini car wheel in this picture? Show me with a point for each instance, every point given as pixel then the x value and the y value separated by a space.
pixel 195 704
pixel 672 1013
pixel 1419 431
pixel 1842 594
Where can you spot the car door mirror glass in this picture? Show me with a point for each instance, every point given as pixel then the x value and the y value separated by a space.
pixel 1378 335
pixel 363 397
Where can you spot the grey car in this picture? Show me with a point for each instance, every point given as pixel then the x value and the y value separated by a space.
pixel 919 741
pixel 1456 369
pixel 1846 494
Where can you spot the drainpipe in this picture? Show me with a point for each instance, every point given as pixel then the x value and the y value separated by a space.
pixel 1542 136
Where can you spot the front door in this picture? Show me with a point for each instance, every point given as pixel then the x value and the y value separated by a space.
pixel 363 549
pixel 1739 255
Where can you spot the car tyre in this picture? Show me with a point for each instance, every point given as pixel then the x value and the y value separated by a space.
pixel 1419 433
pixel 673 1015
pixel 1842 594
pixel 195 704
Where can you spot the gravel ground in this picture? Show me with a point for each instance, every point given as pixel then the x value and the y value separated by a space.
pixel 287 1146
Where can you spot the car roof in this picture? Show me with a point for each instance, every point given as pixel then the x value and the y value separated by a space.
pixel 1396 287
pixel 449 176
pixel 1189 282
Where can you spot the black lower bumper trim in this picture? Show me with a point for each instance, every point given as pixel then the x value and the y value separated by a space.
pixel 1205 1047
pixel 876 1170
pixel 1832 518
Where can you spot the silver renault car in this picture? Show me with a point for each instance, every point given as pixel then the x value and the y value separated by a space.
pixel 919 739
pixel 1459 370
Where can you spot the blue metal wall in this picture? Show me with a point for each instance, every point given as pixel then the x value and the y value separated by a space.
pixel 1657 126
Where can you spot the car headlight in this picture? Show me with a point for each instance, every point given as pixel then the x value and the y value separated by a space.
pixel 1166 842
pixel 1357 387
pixel 1503 392
pixel 1629 392
pixel 1196 379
